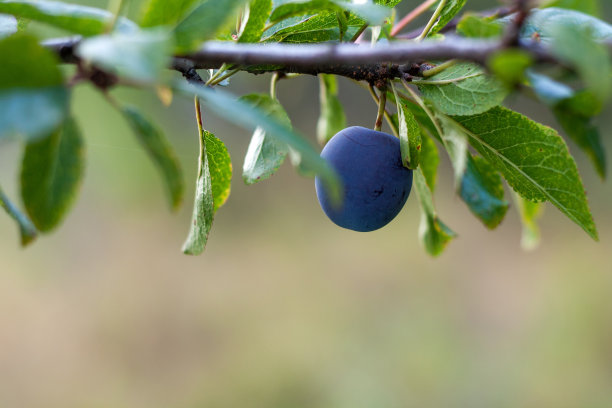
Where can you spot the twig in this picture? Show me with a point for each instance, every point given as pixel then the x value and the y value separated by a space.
pixel 410 17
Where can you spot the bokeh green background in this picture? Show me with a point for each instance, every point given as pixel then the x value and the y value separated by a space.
pixel 285 309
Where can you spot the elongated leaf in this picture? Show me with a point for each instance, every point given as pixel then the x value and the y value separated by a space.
pixel 220 167
pixel 430 160
pixel 71 17
pixel 533 159
pixel 241 113
pixel 51 173
pixel 26 229
pixel 574 112
pixel 212 189
pixel 375 14
pixel 259 10
pixel 332 118
pixel 160 151
pixel 455 141
pixel 8 25
pixel 434 234
pixel 33 100
pixel 204 22
pixel 469 91
pixel 409 135
pixel 141 56
pixel 450 10
pixel 482 190
pixel 203 206
pixel 529 212
pixel 165 13
pixel 265 153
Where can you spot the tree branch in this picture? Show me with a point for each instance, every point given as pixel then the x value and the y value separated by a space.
pixel 373 64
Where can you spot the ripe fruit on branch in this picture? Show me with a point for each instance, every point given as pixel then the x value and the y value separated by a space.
pixel 376 184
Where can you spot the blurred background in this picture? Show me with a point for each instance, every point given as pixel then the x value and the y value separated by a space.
pixel 284 309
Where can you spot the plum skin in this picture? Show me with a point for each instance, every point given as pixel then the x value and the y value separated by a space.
pixel 376 184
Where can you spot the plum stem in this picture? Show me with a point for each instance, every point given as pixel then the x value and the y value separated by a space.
pixel 382 102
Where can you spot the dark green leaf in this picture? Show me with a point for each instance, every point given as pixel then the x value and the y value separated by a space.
pixel 166 13
pixel 27 230
pixel 388 3
pixel 373 13
pixel 533 159
pixel 473 25
pixel 430 160
pixel 51 173
pixel 463 89
pixel 529 212
pixel 220 167
pixel 318 28
pixel 482 190
pixel 332 118
pixel 33 101
pixel 434 234
pixel 265 154
pixel 449 11
pixel 259 10
pixel 160 151
pixel 71 17
pixel 204 22
pixel 247 116
pixel 8 25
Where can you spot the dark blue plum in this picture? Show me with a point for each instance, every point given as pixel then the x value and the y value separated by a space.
pixel 376 184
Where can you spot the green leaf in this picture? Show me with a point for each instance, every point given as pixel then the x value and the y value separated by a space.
pixel 509 66
pixel 466 90
pixel 529 212
pixel 373 13
pixel 26 229
pixel 265 154
pixel 591 7
pixel 430 159
pixel 312 28
pixel 33 100
pixel 141 56
pixel 574 112
pixel 212 189
pixel 388 3
pixel 51 173
pixel 204 22
pixel 332 118
pixel 220 167
pixel 482 190
pixel 434 234
pixel 165 13
pixel 475 26
pixel 533 159
pixel 243 114
pixel 8 25
pixel 259 10
pixel 160 151
pixel 409 133
pixel 449 11
pixel 71 17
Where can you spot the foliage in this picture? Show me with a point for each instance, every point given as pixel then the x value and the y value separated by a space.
pixel 443 106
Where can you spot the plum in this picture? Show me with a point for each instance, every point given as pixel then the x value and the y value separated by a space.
pixel 376 184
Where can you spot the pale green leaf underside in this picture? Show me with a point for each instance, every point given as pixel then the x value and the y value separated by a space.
pixel 8 25
pixel 529 213
pixel 475 94
pixel 332 118
pixel 533 159
pixel 265 154
pixel 51 173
